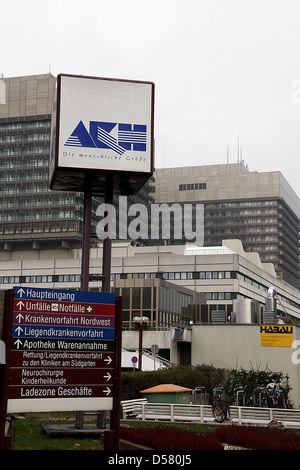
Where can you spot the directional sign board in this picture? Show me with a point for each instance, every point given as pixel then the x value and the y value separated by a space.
pixel 62 350
pixel 101 127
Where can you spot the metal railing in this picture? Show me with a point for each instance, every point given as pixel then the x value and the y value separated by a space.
pixel 204 413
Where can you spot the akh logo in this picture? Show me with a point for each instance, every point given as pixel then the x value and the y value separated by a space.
pixel 109 135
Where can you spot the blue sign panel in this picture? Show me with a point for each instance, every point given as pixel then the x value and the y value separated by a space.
pixel 48 302
pixel 59 295
pixel 33 331
pixel 49 329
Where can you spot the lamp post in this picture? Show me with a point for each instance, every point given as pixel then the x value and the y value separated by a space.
pixel 140 324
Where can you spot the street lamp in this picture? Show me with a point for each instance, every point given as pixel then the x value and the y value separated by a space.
pixel 140 324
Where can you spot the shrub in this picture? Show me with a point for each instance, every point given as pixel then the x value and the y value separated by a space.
pixel 252 438
pixel 190 377
pixel 254 378
pixel 161 438
pixel 203 375
pixel 258 438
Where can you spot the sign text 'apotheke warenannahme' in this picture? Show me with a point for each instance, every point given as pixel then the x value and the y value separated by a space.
pixel 62 347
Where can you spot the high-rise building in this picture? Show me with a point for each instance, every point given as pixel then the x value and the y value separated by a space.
pixel 31 215
pixel 258 208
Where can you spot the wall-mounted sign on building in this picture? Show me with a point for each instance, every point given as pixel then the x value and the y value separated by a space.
pixel 101 126
pixel 276 336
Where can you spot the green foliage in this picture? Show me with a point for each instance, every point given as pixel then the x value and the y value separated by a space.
pixel 28 434
pixel 250 379
pixel 190 377
pixel 200 376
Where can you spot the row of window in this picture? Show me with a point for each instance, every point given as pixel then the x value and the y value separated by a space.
pixel 214 205
pixel 76 277
pixel 209 275
pixel 190 186
pixel 32 216
pixel 24 125
pixel 39 279
pixel 18 178
pixel 257 285
pixel 39 189
pixel 23 138
pixel 45 203
pixel 241 213
pixel 115 276
pixel 218 295
pixel 236 221
pixel 197 275
pixel 169 276
pixel 28 163
pixel 40 227
pixel 19 151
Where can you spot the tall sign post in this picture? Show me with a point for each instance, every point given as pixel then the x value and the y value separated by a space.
pixel 102 142
pixel 62 351
pixel 5 440
pixel 63 348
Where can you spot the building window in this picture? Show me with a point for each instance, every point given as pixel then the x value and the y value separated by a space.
pixel 191 186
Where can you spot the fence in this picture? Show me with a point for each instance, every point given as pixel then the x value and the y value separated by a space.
pixel 140 409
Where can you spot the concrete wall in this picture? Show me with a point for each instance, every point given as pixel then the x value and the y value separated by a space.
pixel 238 346
pixel 28 96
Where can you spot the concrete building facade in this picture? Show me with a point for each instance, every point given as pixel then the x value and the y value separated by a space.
pixel 32 216
pixel 239 346
pixel 222 274
pixel 258 208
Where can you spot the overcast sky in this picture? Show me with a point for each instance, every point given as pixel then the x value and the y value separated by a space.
pixel 225 71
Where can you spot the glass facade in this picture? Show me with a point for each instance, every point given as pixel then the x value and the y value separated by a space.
pixel 163 303
pixel 266 226
pixel 32 216
pixel 29 211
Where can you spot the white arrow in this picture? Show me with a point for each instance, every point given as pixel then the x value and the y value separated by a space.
pixel 21 292
pixel 108 360
pixel 20 304
pixel 19 329
pixel 107 377
pixel 107 391
pixel 19 317
pixel 18 343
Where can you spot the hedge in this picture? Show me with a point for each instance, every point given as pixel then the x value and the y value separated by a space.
pixel 252 438
pixel 206 376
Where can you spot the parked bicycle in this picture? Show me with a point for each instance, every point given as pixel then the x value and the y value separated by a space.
pixel 238 396
pixel 270 396
pixel 219 406
pixel 258 398
pixel 275 396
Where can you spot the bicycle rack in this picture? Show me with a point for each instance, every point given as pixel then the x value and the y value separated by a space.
pixel 203 395
pixel 240 392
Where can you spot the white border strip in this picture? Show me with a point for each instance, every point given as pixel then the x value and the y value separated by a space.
pixel 32 405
